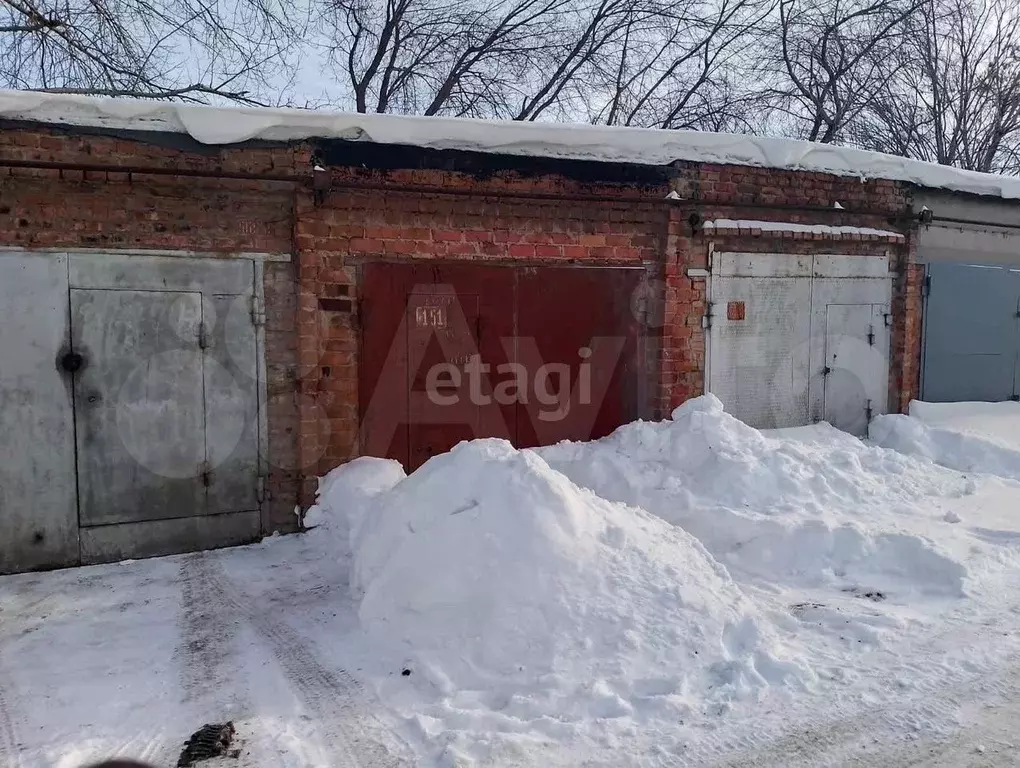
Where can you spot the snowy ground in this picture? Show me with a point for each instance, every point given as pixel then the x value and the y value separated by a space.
pixel 688 592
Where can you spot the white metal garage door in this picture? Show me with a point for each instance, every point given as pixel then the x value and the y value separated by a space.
pixel 796 339
pixel 129 403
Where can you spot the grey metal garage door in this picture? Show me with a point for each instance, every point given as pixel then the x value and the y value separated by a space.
pixel 129 406
pixel 971 333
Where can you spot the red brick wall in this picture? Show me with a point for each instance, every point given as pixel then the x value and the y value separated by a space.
pixel 313 324
pixel 730 192
pixel 282 405
pixel 497 223
pixel 905 366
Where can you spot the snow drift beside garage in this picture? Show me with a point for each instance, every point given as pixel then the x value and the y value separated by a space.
pixel 970 437
pixel 670 573
pixel 643 146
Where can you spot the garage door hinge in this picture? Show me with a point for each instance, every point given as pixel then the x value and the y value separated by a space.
pixel 203 337
pixel 258 311
pixel 926 286
pixel 206 474
pixel 261 494
pixel 888 319
pixel 706 319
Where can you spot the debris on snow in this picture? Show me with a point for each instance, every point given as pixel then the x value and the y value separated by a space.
pixel 208 742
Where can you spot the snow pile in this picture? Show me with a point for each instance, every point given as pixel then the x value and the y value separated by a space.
pixel 345 495
pixel 622 594
pixel 970 437
pixel 811 508
pixel 487 571
pixel 644 146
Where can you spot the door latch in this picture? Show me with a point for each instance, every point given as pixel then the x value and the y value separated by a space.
pixel 72 362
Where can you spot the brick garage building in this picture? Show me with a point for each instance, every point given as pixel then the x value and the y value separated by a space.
pixel 320 266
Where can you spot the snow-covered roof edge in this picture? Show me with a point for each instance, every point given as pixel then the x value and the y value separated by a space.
pixel 643 146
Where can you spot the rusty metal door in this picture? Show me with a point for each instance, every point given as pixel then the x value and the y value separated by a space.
pixel 433 339
pixel 453 352
pixel 577 337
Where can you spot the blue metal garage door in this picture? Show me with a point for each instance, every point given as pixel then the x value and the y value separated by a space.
pixel 972 336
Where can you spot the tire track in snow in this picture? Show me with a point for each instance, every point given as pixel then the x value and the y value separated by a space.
pixel 10 749
pixel 207 636
pixel 204 655
pixel 356 737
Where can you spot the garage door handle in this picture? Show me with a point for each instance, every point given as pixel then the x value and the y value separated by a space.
pixel 72 362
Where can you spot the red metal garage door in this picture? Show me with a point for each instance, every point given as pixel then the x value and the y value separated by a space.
pixel 533 355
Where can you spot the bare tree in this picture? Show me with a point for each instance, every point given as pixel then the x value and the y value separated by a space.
pixel 937 80
pixel 625 62
pixel 830 57
pixel 955 98
pixel 680 68
pixel 432 57
pixel 166 49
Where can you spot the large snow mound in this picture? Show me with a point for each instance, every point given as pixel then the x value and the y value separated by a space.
pixel 227 125
pixel 619 599
pixel 489 571
pixel 809 508
pixel 970 437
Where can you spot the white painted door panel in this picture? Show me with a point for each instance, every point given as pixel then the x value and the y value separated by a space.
pixel 856 365
pixel 832 291
pixel 759 364
pixel 38 511
pixel 767 359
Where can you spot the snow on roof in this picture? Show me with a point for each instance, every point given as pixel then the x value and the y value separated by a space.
pixel 789 227
pixel 643 146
